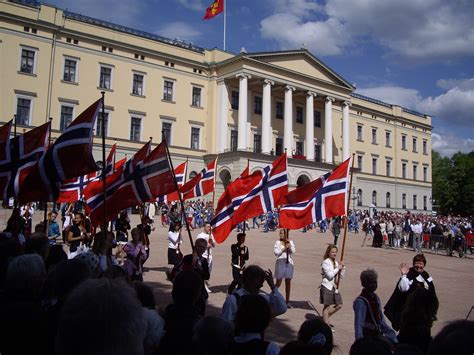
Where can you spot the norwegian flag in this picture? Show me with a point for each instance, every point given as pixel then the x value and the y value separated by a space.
pixel 180 174
pixel 70 156
pixel 72 189
pixel 323 198
pixel 22 154
pixel 93 193
pixel 250 196
pixel 5 131
pixel 149 179
pixel 201 184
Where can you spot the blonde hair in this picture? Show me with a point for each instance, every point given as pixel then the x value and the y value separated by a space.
pixel 328 250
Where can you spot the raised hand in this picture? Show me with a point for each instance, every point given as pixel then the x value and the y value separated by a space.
pixel 404 268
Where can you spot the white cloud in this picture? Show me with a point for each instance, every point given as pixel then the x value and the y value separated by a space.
pixel 125 12
pixel 447 145
pixel 428 30
pixel 179 30
pixel 452 111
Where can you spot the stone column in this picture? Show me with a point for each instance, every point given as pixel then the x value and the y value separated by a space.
pixel 267 116
pixel 288 121
pixel 310 125
pixel 222 112
pixel 345 130
pixel 328 129
pixel 243 109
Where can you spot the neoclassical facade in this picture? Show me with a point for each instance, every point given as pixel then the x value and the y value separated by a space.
pixel 245 108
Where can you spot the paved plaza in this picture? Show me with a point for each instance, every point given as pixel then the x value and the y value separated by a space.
pixel 453 278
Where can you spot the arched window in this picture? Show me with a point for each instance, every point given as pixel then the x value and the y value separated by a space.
pixel 374 197
pixel 192 174
pixel 387 199
pixel 359 197
pixel 225 177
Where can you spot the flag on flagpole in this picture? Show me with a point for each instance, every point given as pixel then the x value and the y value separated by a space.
pixel 250 196
pixel 201 184
pixel 214 9
pixel 323 198
pixel 180 173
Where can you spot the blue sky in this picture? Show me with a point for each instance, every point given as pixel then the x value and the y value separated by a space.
pixel 415 53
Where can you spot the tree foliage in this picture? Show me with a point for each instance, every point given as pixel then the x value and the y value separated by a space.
pixel 453 183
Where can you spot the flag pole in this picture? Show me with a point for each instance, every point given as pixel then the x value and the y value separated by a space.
pixel 214 190
pixel 177 189
pixel 104 174
pixel 345 217
pixel 45 215
pixel 225 17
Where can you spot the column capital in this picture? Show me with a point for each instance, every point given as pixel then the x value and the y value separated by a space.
pixel 330 98
pixel 347 103
pixel 289 87
pixel 220 81
pixel 243 75
pixel 311 93
pixel 268 82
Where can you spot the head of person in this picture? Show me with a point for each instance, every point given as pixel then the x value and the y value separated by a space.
pixel 207 228
pixel 331 252
pixel 370 346
pixel 177 227
pixel 79 219
pixel 92 261
pixel 368 280
pixel 283 234
pixel 137 235
pixel 67 276
pixel 419 263
pixel 213 336
pixel 200 246
pixel 25 276
pixel 103 242
pixel 241 238
pixel 120 329
pixel 187 288
pixel 316 332
pixel 52 216
pixel 454 338
pixel 253 278
pixel 55 256
pixel 253 314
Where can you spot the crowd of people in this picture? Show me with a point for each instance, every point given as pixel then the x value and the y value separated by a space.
pixel 72 290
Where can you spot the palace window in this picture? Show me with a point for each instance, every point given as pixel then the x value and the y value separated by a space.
pixel 70 66
pixel 105 78
pixel 66 116
pixel 137 87
pixel 23 111
pixel 27 64
pixel 135 129
pixel 98 126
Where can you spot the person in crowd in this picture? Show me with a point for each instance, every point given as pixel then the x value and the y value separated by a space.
pixel 120 329
pixel 77 234
pixel 317 332
pixel 182 315
pixel 174 242
pixel 122 226
pixel 206 234
pixel 26 212
pixel 417 230
pixel 252 318
pixel 55 256
pixel 411 279
pixel 378 237
pixel 102 247
pixel 14 230
pixel 284 266
pixel 368 316
pixel 136 255
pixel 253 278
pixel 145 227
pixel 53 228
pixel 455 338
pixel 390 232
pixel 336 229
pixel 330 296
pixel 239 255
pixel 397 236
pixel 370 346
pixel 213 336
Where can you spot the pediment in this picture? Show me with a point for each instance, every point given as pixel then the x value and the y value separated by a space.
pixel 303 62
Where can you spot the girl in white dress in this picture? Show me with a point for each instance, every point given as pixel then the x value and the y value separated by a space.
pixel 284 249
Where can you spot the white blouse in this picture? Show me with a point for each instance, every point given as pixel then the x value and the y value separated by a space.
pixel 174 239
pixel 329 272
pixel 280 251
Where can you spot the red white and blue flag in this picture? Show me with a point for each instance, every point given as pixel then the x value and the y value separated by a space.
pixel 326 197
pixel 22 153
pixel 180 174
pixel 71 190
pixel 250 196
pixel 70 156
pixel 201 184
pixel 93 193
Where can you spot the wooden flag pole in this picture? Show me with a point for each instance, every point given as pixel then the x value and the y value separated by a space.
pixel 177 189
pixel 104 174
pixel 214 190
pixel 345 217
pixel 45 215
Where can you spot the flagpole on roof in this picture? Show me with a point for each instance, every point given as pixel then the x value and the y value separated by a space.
pixel 104 174
pixel 225 16
pixel 177 189
pixel 345 217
